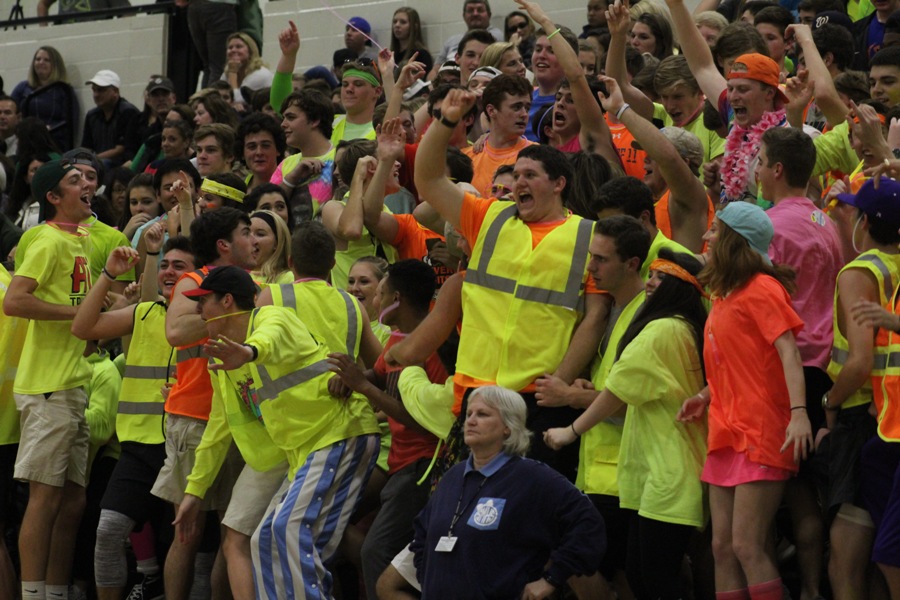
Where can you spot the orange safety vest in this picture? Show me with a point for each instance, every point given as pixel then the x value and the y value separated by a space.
pixel 192 393
pixel 886 384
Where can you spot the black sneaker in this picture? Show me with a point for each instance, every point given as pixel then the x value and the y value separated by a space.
pixel 151 588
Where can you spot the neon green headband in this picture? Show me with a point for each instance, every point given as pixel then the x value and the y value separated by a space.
pixel 222 190
pixel 365 76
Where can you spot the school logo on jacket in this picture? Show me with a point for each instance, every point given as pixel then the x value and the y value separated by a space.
pixel 487 513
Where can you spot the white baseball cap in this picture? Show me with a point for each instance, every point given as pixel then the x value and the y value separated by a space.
pixel 105 78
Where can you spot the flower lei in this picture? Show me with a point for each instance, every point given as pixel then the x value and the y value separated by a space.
pixel 741 147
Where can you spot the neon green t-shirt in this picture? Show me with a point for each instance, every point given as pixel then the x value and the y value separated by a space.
pixel 713 145
pixel 52 357
pixel 12 338
pixel 102 240
pixel 660 459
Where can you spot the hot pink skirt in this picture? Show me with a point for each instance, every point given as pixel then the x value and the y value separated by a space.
pixel 726 467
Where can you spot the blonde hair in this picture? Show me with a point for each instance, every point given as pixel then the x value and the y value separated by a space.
pixel 57 72
pixel 493 54
pixel 711 19
pixel 279 261
pixel 255 62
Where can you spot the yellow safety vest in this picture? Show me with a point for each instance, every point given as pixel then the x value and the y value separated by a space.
pixel 598 457
pixel 886 269
pixel 521 305
pixel 333 316
pixel 147 369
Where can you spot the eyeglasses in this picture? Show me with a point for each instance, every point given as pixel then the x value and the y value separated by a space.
pixel 516 27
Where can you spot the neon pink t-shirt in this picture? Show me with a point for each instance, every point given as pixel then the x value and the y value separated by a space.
pixel 807 240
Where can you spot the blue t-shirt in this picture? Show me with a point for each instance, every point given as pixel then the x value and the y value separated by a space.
pixel 536 103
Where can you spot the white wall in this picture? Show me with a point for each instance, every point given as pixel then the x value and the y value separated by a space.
pixel 134 47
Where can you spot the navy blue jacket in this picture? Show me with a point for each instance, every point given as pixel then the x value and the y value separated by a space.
pixel 511 523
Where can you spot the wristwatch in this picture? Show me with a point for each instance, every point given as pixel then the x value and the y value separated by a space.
pixel 825 403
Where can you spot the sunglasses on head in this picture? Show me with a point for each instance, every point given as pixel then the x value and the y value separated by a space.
pixel 362 61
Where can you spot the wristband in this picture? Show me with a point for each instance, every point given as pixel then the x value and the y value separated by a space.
pixel 447 123
pixel 575 431
pixel 825 404
pixel 254 350
pixel 619 112
pixel 108 274
pixel 152 253
pixel 287 183
pixel 551 580
pixel 554 33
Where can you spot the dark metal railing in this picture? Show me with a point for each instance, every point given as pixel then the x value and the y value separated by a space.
pixel 17 19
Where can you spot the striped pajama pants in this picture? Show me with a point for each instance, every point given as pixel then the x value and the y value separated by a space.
pixel 303 527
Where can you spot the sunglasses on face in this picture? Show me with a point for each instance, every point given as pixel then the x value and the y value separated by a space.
pixel 516 27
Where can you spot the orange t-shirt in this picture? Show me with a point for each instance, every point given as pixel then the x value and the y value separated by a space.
pixel 474 211
pixel 664 222
pixel 632 158
pixel 191 396
pixel 486 163
pixel 412 241
pixel 750 407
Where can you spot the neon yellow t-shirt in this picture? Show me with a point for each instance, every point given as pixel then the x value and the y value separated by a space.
pixel 660 459
pixel 52 357
pixel 102 240
pixel 713 145
pixel 12 338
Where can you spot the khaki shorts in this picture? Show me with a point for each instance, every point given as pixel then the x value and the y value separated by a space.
pixel 54 443
pixel 183 435
pixel 252 496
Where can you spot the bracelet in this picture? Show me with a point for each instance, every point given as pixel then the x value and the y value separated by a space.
pixel 448 123
pixel 619 112
pixel 575 431
pixel 255 351
pixel 287 183
pixel 798 408
pixel 554 33
pixel 108 274
pixel 152 253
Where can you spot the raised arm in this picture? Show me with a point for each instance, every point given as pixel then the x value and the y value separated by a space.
pixel 696 51
pixel 594 132
pixel 431 180
pixel 289 42
pixel 153 237
pixel 90 322
pixel 688 204
pixel 618 20
pixel 391 147
pixel 827 98
pixel 410 72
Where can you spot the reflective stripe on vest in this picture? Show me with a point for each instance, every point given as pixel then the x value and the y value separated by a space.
pixel 270 388
pixel 289 300
pixel 839 355
pixel 146 372
pixel 569 298
pixel 885 272
pixel 141 408
pixel 184 354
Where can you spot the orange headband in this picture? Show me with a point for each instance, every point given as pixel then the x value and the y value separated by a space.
pixel 670 268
